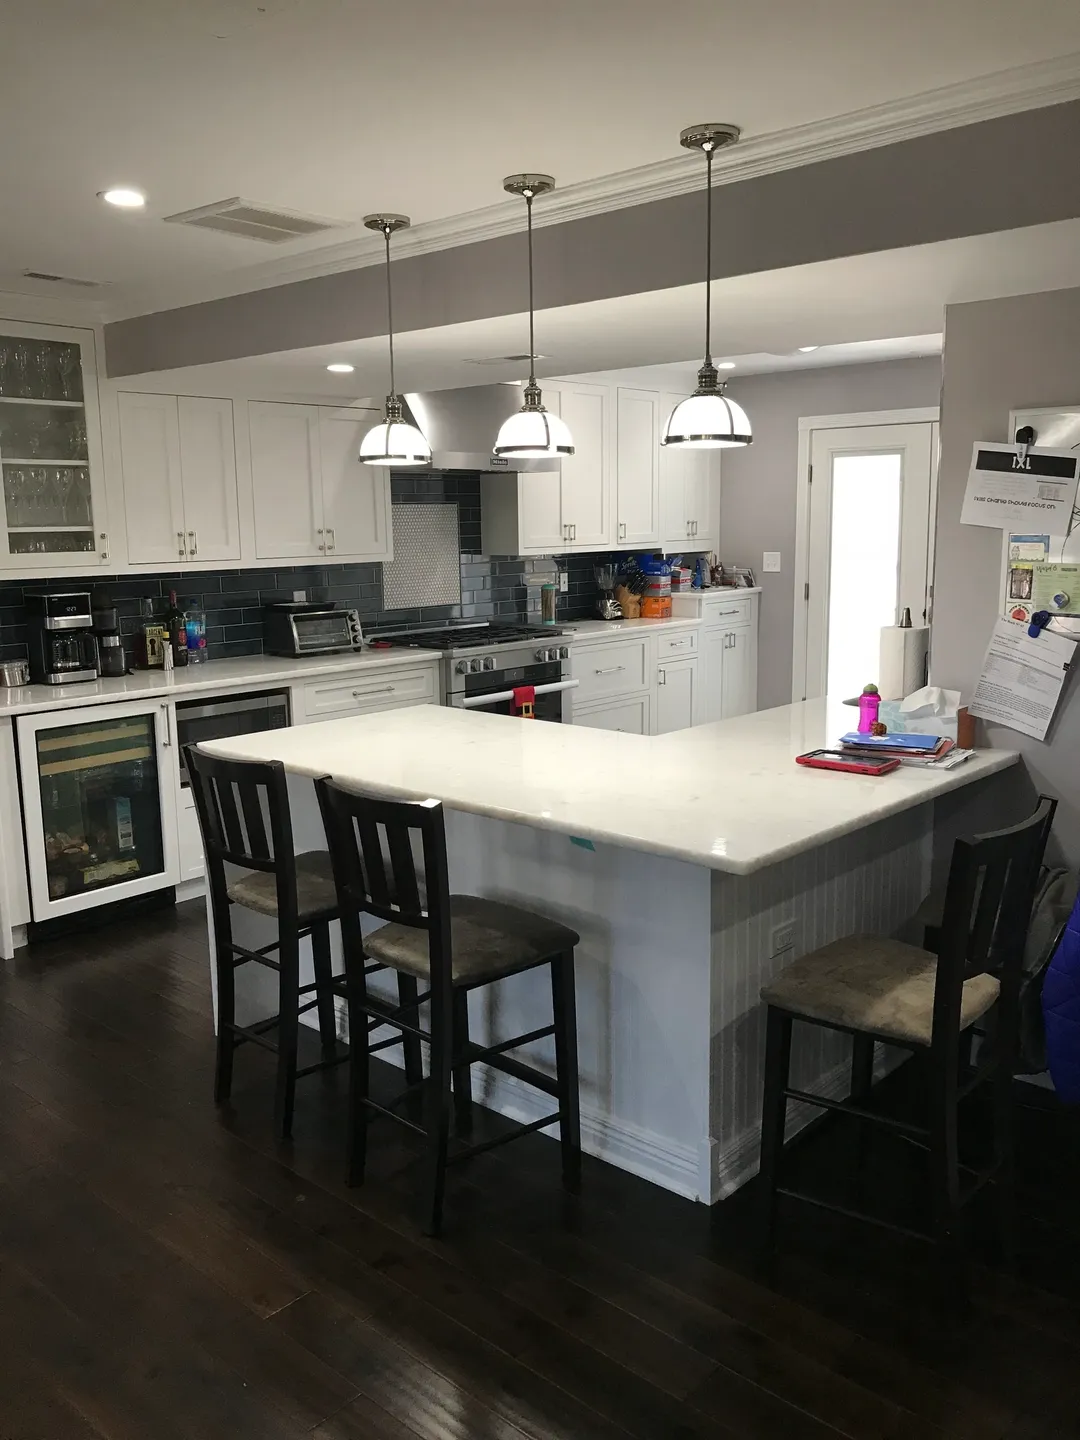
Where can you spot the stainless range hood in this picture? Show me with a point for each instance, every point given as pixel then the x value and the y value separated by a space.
pixel 461 426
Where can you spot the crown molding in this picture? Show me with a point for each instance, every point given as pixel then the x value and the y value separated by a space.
pixel 987 97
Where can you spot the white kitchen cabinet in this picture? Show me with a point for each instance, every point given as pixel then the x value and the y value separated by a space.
pixel 631 716
pixel 54 515
pixel 178 461
pixel 554 511
pixel 637 488
pixel 313 500
pixel 730 660
pixel 356 498
pixel 687 491
pixel 676 695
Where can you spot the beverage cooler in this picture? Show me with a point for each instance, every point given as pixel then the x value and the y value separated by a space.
pixel 99 801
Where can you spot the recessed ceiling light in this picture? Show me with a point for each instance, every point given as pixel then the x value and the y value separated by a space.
pixel 341 367
pixel 806 349
pixel 725 365
pixel 123 197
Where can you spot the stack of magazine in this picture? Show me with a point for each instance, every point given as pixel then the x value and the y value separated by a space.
pixel 931 751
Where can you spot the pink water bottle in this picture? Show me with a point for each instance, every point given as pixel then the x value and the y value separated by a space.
pixel 869 704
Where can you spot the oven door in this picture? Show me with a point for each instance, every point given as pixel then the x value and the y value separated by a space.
pixel 496 696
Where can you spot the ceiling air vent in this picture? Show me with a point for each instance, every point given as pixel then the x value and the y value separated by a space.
pixel 506 360
pixel 251 221
pixel 61 279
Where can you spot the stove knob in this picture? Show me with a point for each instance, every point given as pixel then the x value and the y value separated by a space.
pixel 564 652
pixel 541 655
pixel 489 662
pixel 474 667
pixel 462 667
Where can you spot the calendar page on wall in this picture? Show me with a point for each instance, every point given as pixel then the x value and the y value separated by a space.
pixel 1055 429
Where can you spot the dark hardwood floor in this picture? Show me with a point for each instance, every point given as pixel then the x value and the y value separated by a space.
pixel 169 1270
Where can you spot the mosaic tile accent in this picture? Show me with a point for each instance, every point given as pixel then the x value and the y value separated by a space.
pixel 426 568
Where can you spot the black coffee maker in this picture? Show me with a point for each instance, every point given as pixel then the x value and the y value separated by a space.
pixel 111 660
pixel 61 640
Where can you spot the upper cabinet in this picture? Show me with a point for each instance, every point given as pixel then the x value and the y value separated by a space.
pixel 54 515
pixel 637 487
pixel 688 509
pixel 178 458
pixel 312 498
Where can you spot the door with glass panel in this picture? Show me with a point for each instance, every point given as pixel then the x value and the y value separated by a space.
pixel 869 550
pixel 99 804
pixel 50 450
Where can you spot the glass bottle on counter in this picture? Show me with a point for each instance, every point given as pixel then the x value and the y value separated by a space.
pixel 195 626
pixel 176 626
pixel 150 638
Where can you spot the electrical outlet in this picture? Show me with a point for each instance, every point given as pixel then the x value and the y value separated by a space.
pixel 770 562
pixel 564 581
pixel 783 937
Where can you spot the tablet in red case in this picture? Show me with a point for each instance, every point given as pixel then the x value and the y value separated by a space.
pixel 838 760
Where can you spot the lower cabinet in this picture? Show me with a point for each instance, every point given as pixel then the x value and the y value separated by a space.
pixel 730 680
pixel 632 716
pixel 676 695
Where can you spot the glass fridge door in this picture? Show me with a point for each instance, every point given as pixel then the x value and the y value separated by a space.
pixel 99 797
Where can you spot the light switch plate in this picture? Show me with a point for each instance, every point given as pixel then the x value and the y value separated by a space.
pixel 783 937
pixel 564 582
pixel 770 562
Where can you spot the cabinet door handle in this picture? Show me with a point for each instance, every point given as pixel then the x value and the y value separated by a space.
pixel 693 527
pixel 193 542
pixel 661 677
pixel 180 550
pixel 332 542
pixel 612 670
pixel 378 690
pixel 166 738
pixel 622 529
pixel 104 538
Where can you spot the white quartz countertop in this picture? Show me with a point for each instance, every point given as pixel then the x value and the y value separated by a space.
pixel 728 796
pixel 592 630
pixel 245 672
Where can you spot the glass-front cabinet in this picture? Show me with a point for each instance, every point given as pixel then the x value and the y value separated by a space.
pixel 99 797
pixel 50 449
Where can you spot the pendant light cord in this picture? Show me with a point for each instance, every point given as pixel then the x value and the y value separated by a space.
pixel 708 252
pixel 532 340
pixel 389 308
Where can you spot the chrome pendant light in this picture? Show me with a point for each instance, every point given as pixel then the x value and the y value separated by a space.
pixel 532 433
pixel 708 420
pixel 394 441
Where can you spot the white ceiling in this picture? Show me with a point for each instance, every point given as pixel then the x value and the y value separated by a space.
pixel 853 308
pixel 337 108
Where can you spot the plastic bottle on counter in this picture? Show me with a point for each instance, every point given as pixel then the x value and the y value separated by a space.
pixel 195 630
pixel 869 705
pixel 176 626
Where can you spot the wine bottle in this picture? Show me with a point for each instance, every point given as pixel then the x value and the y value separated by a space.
pixel 176 623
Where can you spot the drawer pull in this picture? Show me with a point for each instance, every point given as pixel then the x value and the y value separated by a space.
pixel 736 611
pixel 379 690
pixel 612 670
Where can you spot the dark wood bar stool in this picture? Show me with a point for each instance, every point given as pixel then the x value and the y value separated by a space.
pixel 452 944
pixel 874 988
pixel 244 817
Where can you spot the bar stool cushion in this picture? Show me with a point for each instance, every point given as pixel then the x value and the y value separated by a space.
pixel 873 985
pixel 488 939
pixel 316 896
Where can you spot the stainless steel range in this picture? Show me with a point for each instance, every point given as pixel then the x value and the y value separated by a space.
pixel 484 662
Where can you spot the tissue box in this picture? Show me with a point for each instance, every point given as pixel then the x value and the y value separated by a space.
pixel 929 711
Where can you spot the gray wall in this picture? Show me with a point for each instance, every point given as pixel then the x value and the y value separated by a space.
pixel 759 485
pixel 1000 355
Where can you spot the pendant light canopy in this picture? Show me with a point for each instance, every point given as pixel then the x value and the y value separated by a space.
pixel 532 433
pixel 708 420
pixel 394 441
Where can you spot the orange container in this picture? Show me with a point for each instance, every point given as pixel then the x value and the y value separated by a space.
pixel 656 607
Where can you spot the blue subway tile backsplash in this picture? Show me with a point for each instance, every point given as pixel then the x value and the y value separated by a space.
pixel 491 586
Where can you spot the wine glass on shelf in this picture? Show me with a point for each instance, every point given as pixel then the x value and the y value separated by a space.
pixel 82 513
pixel 39 482
pixel 70 373
pixel 42 373
pixel 64 481
pixel 14 495
pixel 77 437
pixel 20 369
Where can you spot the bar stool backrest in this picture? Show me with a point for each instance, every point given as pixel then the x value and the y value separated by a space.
pixel 991 889
pixel 373 848
pixel 243 810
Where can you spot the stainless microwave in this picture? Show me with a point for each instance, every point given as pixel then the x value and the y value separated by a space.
pixel 296 630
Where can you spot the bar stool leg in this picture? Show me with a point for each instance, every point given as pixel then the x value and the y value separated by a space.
pixel 226 994
pixel 322 965
pixel 945 1179
pixel 359 1065
pixel 288 1033
pixel 437 1105
pixel 564 1007
pixel 862 1082
pixel 463 1095
pixel 410 1013
pixel 1004 1159
pixel 773 1118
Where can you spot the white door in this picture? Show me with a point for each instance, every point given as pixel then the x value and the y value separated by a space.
pixel 676 695
pixel 539 514
pixel 286 481
pixel 153 494
pixel 869 533
pixel 739 683
pixel 637 484
pixel 208 478
pixel 356 498
pixel 673 468
pixel 713 647
pixel 99 804
pixel 698 498
pixel 586 475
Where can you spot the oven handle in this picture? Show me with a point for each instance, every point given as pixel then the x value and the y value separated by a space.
pixel 475 702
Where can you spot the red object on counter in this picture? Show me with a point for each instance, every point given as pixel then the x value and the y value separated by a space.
pixel 525 701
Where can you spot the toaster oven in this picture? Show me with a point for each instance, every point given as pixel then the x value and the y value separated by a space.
pixel 307 629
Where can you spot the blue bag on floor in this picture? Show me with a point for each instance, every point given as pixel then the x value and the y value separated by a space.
pixel 1061 1012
